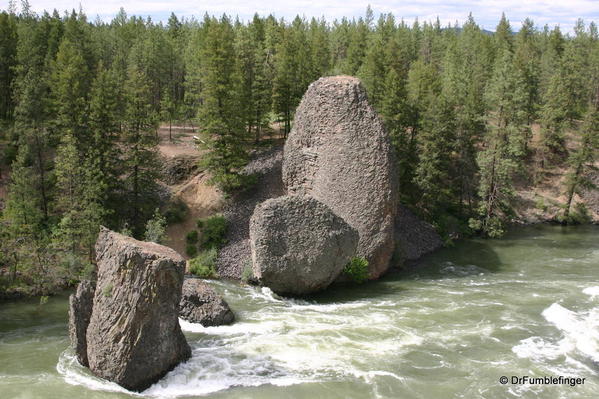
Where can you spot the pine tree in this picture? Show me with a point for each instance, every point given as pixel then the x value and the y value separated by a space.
pixel 507 98
pixel 375 64
pixel 356 50
pixel 436 146
pixel 262 77
pixel 503 36
pixel 504 148
pixel 8 52
pixel 139 152
pixel 464 81
pixel 23 212
pixel 78 201
pixel 554 115
pixel 293 69
pixel 320 53
pixel 24 222
pixel 219 116
pixel 527 60
pixel 582 161
pixel 104 155
pixel 70 88
pixel 495 189
pixel 400 121
pixel 423 84
pixel 168 111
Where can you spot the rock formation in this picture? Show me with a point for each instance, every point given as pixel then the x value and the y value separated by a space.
pixel 414 237
pixel 201 304
pixel 80 312
pixel 237 253
pixel 339 153
pixel 134 337
pixel 299 245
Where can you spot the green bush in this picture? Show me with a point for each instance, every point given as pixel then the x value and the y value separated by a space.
pixel 247 274
pixel 357 269
pixel 233 182
pixel 213 231
pixel 204 265
pixel 192 237
pixel 175 212
pixel 191 250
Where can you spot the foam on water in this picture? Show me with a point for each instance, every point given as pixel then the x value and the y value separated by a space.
pixel 579 338
pixel 592 291
pixel 216 368
pixel 75 374
pixel 580 330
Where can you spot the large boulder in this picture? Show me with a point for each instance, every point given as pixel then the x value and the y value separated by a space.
pixel 201 304
pixel 299 246
pixel 340 153
pixel 80 312
pixel 134 337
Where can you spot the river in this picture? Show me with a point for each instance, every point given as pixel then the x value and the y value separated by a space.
pixel 526 304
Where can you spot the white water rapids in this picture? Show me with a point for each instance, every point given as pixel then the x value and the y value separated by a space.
pixel 449 328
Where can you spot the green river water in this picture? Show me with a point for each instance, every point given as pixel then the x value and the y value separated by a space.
pixel 527 304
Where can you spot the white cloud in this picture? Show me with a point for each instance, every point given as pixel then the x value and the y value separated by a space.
pixel 486 12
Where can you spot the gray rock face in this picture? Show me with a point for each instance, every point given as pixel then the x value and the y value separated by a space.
pixel 201 304
pixel 134 337
pixel 415 238
pixel 339 153
pixel 299 245
pixel 80 312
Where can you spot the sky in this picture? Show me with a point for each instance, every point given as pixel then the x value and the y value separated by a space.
pixel 486 12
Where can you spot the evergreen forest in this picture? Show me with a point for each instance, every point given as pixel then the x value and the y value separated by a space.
pixel 471 113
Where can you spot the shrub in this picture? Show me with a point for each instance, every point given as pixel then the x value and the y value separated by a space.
pixel 247 274
pixel 233 182
pixel 191 250
pixel 175 211
pixel 213 232
pixel 357 269
pixel 192 237
pixel 203 265
pixel 156 228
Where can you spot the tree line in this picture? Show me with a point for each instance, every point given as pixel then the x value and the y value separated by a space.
pixel 82 100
